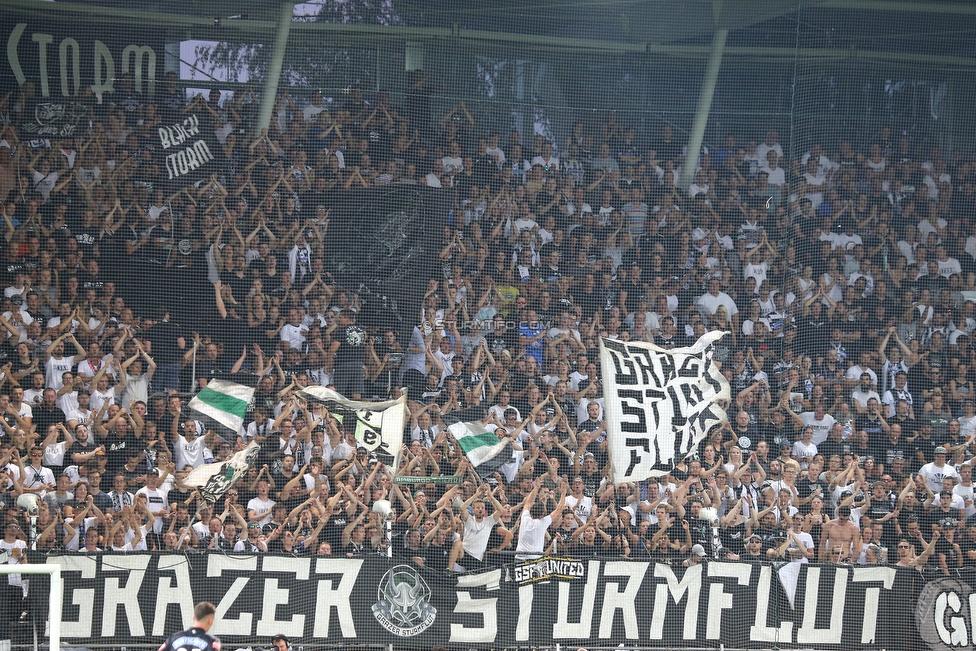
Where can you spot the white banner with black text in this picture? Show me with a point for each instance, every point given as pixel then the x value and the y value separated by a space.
pixel 659 404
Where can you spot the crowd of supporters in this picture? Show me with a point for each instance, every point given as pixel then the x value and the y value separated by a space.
pixel 844 274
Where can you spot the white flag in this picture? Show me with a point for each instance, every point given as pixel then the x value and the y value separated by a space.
pixel 659 404
pixel 378 425
pixel 215 479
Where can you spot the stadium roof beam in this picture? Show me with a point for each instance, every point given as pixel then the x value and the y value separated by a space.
pixel 203 27
pixel 965 8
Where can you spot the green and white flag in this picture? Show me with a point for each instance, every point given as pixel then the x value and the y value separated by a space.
pixel 480 445
pixel 222 404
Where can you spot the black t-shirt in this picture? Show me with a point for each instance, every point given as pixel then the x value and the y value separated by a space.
pixel 78 448
pixel 734 538
pixel 499 341
pixel 589 302
pixel 436 557
pixel 44 418
pixel 332 532
pixel 966 545
pixel 890 451
pixel 805 487
pixel 830 447
pixel 927 447
pixel 115 449
pixel 163 336
pixel 872 426
pixel 195 638
pixel 351 352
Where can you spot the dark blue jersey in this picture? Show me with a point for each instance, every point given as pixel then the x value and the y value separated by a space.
pixel 194 639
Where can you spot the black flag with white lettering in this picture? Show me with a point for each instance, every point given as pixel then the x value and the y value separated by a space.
pixel 186 151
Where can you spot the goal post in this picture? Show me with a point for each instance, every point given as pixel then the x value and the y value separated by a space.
pixel 55 597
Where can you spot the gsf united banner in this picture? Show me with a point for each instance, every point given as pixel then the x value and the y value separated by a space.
pixel 659 404
pixel 141 598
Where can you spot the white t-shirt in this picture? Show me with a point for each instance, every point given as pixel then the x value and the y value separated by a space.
pixel 821 428
pixel 34 477
pixel 156 503
pixel 807 541
pixel 189 453
pixel 54 454
pixel 294 335
pixel 54 369
pixel 16 553
pixel 261 508
pixel 98 398
pixel 801 451
pixel 89 369
pixel 966 493
pixel 476 535
pixel 934 475
pixel 757 271
pixel 45 184
pixel 77 541
pixel 583 507
pixel 136 388
pixel 532 536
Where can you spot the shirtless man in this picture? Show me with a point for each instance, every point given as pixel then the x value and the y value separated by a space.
pixel 906 552
pixel 840 534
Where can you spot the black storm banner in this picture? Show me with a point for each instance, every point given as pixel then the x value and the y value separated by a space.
pixel 184 149
pixel 138 598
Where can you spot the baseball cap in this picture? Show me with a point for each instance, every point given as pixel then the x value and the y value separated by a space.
pixel 941 450
pixel 698 550
pixel 754 536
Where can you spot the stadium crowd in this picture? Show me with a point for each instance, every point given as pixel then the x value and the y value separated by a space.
pixel 844 275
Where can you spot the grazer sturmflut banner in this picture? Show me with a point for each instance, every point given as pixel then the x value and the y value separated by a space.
pixel 140 598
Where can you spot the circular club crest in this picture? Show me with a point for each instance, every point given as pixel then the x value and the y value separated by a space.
pixel 942 614
pixel 403 602
pixel 355 336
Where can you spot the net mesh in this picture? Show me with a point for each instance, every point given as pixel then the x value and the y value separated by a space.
pixel 461 200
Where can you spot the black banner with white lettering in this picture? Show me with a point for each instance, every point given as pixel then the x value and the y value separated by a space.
pixel 65 58
pixel 142 598
pixel 186 149
pixel 54 119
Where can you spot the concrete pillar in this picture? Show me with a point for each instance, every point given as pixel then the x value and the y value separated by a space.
pixel 704 108
pixel 270 93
